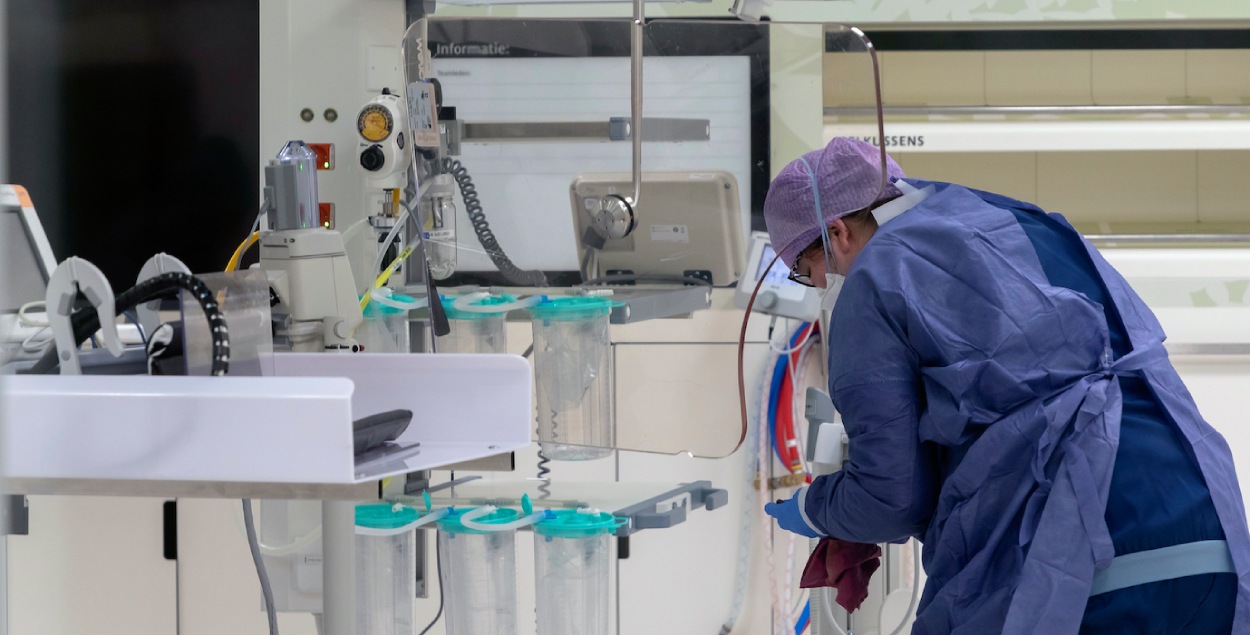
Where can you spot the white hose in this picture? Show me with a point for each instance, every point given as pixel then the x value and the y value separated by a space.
pixel 465 303
pixel 764 459
pixel 385 296
pixel 468 520
pixel 750 504
pixel 827 606
pixel 915 591
pixel 395 531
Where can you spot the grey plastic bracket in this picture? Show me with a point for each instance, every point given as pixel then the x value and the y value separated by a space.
pixel 671 508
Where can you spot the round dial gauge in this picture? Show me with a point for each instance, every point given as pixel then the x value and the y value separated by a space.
pixel 375 122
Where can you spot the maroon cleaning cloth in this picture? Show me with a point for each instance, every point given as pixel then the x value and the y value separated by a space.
pixel 845 566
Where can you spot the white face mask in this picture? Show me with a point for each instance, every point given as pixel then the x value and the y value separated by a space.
pixel 833 287
pixel 829 297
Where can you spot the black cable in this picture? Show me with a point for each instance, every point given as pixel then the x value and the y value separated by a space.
pixel 442 592
pixel 472 205
pixel 642 277
pixel 85 321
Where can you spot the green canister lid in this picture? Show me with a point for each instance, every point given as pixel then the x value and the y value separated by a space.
pixel 451 522
pixel 571 523
pixel 385 516
pixel 572 308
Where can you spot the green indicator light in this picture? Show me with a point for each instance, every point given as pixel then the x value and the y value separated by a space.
pixel 326 165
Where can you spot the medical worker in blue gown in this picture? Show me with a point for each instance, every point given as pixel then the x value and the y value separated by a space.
pixel 1009 403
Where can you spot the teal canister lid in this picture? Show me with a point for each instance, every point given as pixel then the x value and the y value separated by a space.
pixel 571 523
pixel 385 515
pixel 572 308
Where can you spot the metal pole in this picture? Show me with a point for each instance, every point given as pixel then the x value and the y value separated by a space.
pixel 635 75
pixel 338 570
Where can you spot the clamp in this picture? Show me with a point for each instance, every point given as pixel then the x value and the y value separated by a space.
pixel 71 277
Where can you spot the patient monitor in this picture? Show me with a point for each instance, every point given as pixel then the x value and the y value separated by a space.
pixel 778 295
pixel 687 224
pixel 26 262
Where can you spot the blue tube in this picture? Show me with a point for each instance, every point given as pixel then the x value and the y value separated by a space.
pixel 804 618
pixel 773 397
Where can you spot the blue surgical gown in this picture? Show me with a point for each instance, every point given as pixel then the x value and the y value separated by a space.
pixel 984 379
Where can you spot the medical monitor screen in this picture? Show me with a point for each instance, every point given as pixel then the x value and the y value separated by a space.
pixel 778 275
pixel 24 277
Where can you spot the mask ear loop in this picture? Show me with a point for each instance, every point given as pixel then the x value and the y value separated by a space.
pixel 820 219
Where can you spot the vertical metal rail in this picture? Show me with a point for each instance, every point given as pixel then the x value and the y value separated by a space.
pixel 635 76
pixel 338 570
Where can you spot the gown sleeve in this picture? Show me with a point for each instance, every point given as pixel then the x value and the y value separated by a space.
pixel 888 489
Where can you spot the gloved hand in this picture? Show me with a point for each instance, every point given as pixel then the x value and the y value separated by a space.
pixel 789 517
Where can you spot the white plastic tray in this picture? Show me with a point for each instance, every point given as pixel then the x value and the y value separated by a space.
pixel 139 435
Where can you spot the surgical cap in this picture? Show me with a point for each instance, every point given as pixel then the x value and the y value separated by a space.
pixel 825 184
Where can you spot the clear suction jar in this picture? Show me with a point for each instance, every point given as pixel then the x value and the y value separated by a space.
pixel 386 570
pixel 477 328
pixel 572 360
pixel 479 575
pixel 571 568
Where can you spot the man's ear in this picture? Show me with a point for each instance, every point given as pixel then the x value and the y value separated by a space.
pixel 840 235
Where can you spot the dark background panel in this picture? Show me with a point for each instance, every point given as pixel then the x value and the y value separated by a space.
pixel 135 126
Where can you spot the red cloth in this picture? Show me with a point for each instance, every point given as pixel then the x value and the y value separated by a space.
pixel 845 566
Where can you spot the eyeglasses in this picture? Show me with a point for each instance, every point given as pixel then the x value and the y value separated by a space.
pixel 800 278
pixel 804 279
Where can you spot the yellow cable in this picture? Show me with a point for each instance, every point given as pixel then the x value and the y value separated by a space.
pixel 386 275
pixel 238 253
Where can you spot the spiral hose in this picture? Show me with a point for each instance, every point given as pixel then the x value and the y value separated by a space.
pixel 473 205
pixel 544 462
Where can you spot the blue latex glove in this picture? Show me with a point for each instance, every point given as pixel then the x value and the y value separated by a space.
pixel 789 517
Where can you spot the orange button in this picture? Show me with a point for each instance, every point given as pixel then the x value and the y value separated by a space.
pixel 325 155
pixel 326 214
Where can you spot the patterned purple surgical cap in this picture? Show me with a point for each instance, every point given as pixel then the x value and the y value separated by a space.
pixel 827 184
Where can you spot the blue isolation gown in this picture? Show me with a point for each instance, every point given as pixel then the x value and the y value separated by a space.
pixel 983 388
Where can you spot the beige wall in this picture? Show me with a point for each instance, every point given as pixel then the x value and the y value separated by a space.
pixel 1170 189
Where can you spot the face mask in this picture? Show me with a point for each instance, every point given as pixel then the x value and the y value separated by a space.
pixel 833 286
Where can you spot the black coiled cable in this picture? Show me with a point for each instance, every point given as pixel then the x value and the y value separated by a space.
pixel 167 285
pixel 485 236
pixel 544 462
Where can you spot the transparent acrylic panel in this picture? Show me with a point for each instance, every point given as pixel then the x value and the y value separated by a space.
pixel 533 100
pixel 243 297
pixel 546 126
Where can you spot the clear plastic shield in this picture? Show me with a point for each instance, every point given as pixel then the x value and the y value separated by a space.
pixel 527 105
pixel 553 129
